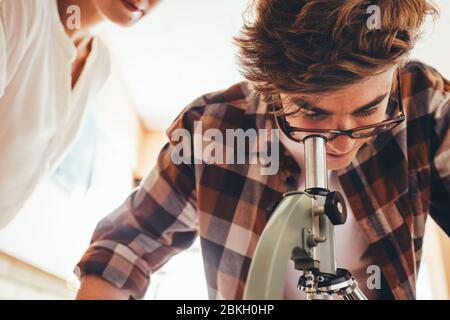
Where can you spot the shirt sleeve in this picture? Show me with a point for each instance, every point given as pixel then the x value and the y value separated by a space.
pixel 440 170
pixel 440 151
pixel 2 53
pixel 20 22
pixel 157 221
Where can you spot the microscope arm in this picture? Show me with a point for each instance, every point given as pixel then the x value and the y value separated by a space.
pixel 293 232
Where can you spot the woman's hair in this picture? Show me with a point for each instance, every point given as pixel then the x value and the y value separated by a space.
pixel 312 46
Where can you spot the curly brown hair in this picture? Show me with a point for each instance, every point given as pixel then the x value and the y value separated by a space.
pixel 312 46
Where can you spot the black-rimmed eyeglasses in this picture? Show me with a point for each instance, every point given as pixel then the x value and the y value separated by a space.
pixel 355 133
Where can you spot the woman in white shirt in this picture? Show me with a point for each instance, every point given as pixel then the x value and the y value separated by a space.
pixel 49 73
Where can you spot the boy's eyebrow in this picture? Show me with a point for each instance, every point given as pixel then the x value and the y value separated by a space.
pixel 310 106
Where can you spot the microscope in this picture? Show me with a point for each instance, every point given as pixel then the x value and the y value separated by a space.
pixel 302 229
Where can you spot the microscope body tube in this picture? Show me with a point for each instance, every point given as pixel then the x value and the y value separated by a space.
pixel 316 162
pixel 317 178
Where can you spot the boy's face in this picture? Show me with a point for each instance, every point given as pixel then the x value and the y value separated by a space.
pixel 341 110
pixel 124 12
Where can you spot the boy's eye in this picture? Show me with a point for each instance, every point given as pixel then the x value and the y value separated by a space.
pixel 317 116
pixel 367 112
pixel 312 115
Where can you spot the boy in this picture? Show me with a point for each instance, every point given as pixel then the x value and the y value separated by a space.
pixel 310 65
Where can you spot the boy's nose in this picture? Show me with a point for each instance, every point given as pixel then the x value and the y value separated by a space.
pixel 341 145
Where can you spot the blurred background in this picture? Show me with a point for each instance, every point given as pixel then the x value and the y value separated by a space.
pixel 182 50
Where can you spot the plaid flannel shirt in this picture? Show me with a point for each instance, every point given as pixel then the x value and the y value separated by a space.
pixel 392 185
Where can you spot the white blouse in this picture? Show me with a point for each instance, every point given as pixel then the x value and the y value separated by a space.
pixel 40 113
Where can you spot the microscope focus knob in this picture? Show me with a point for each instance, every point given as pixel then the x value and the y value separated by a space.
pixel 335 208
